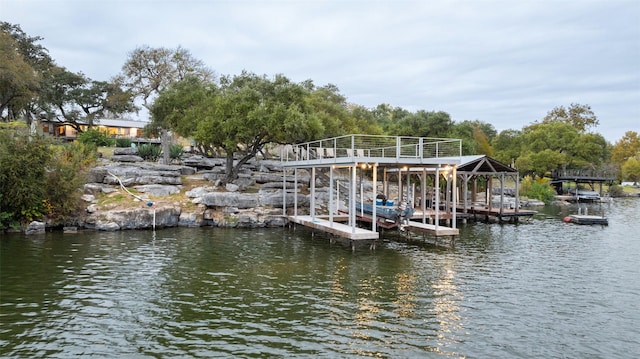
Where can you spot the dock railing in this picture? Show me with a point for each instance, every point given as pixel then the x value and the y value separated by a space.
pixel 387 147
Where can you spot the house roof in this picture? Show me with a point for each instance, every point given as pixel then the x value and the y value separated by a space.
pixel 109 122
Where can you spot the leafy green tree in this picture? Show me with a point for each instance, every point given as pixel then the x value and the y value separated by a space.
pixel 507 145
pixel 580 117
pixel 76 100
pixel 628 146
pixel 18 80
pixel 631 169
pixel 476 137
pixel 149 71
pixel 240 116
pixel 23 61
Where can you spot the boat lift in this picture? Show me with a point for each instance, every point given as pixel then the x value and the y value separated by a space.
pixel 401 155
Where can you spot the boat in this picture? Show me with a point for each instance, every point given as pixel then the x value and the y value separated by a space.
pixel 394 213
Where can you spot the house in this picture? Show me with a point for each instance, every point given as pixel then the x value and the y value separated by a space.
pixel 115 127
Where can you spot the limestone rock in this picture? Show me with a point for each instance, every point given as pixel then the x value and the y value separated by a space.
pixel 158 190
pixel 35 227
pixel 230 199
pixel 125 151
pixel 126 158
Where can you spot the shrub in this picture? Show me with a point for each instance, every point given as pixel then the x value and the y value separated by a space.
pixel 39 178
pixel 539 189
pixel 123 142
pixel 97 137
pixel 175 151
pixel 149 152
pixel 616 191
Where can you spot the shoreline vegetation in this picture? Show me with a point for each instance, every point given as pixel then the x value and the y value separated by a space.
pixel 190 193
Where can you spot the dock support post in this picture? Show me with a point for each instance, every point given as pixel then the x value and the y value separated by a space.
pixel 352 198
pixel 454 175
pixel 331 196
pixel 295 191
pixel 312 200
pixel 375 195
pixel 437 193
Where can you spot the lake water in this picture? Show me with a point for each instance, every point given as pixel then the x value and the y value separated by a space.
pixel 543 289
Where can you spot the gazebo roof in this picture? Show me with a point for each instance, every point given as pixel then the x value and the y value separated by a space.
pixel 482 164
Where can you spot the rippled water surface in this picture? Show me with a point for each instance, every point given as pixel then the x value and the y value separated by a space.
pixel 543 289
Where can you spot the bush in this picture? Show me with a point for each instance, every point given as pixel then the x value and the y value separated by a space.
pixel 539 189
pixel 123 142
pixel 176 151
pixel 39 178
pixel 616 191
pixel 97 137
pixel 149 152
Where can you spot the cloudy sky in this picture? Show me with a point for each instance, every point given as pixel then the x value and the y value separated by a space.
pixel 504 62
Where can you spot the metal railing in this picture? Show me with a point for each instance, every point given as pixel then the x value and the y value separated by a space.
pixel 363 146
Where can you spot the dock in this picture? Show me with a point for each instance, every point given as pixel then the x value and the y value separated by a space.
pixel 428 175
pixel 335 228
pixel 586 219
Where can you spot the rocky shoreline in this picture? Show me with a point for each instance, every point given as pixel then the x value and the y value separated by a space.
pixel 125 193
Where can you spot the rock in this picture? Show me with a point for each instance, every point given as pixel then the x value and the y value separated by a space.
pixel 126 158
pixel 92 188
pixel 88 197
pixel 134 218
pixel 158 190
pixel 231 187
pixel 107 226
pixel 187 171
pixel 125 151
pixel 230 199
pixel 199 191
pixel 274 199
pixel 201 162
pixel 191 220
pixel 92 208
pixel 35 227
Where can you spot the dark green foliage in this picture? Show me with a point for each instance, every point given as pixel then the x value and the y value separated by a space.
pixel 22 178
pixel 175 151
pixel 616 191
pixel 96 137
pixel 149 152
pixel 539 189
pixel 39 179
pixel 123 142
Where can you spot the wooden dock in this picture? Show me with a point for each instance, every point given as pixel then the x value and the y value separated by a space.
pixel 335 228
pixel 431 229
pixel 586 219
pixel 504 215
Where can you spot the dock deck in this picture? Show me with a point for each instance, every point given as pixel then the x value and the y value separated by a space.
pixel 336 228
pixel 432 229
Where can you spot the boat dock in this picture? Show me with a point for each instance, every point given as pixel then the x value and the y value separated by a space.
pixel 428 176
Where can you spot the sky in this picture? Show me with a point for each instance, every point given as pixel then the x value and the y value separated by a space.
pixel 503 62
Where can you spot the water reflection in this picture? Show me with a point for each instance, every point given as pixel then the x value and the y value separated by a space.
pixel 541 289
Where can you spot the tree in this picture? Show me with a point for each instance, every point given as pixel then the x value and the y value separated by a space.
pixel 18 80
pixel 507 145
pixel 628 146
pixel 148 71
pixel 476 137
pixel 240 116
pixel 631 169
pixel 76 100
pixel 22 63
pixel 580 117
